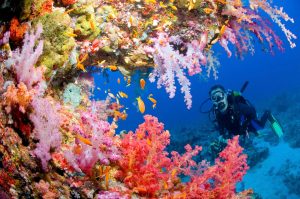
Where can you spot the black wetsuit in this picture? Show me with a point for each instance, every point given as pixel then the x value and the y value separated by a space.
pixel 239 118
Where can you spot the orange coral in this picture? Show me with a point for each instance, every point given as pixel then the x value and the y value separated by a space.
pixel 19 96
pixel 47 6
pixel 17 30
pixel 68 2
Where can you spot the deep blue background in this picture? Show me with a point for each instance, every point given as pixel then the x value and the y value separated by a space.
pixel 268 75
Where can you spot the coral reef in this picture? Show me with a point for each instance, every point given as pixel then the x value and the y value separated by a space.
pixel 56 142
pixel 131 35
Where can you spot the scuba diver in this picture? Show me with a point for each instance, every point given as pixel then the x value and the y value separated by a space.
pixel 234 115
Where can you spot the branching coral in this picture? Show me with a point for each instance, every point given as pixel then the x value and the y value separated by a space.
pixel 147 170
pixel 46 122
pixel 94 143
pixel 219 181
pixel 24 60
pixel 170 62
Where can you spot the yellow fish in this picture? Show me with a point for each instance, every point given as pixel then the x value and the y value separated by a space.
pixel 141 105
pixel 142 83
pixel 123 95
pixel 162 5
pixel 150 1
pixel 70 34
pixel 152 100
pixel 173 7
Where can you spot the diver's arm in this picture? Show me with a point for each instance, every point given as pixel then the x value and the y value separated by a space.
pixel 247 114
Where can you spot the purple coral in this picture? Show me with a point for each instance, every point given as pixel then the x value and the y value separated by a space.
pixel 24 61
pixel 170 62
pixel 110 195
pixel 46 122
pixel 101 147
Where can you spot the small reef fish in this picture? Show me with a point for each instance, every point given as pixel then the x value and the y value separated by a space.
pixel 92 24
pixel 150 1
pixel 80 61
pixel 162 5
pixel 123 95
pixel 141 105
pixel 152 100
pixel 70 34
pixel 142 84
pixel 128 82
pixel 222 31
pixel 112 67
pixel 208 10
pixel 84 140
pixel 222 1
pixel 119 81
pixel 111 95
pixel 173 7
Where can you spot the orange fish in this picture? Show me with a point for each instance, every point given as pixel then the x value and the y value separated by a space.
pixel 128 82
pixel 106 171
pixel 222 31
pixel 142 83
pixel 222 1
pixel 113 67
pixel 119 81
pixel 79 62
pixel 141 105
pixel 208 10
pixel 92 24
pixel 84 140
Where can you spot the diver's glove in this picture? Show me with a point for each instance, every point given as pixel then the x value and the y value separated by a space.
pixel 218 145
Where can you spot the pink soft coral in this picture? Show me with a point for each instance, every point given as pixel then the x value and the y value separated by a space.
pixel 24 61
pixel 170 63
pixel 99 145
pixel 46 120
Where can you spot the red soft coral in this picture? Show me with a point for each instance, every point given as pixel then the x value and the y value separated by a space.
pixel 219 181
pixel 144 157
pixel 145 166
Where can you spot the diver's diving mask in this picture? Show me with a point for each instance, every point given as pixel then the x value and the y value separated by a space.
pixel 219 99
